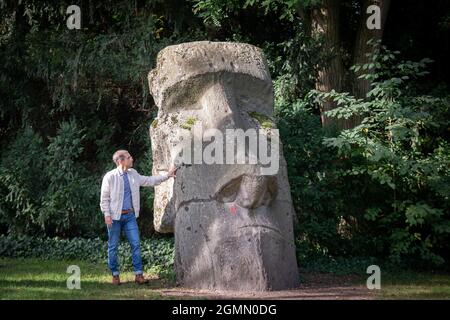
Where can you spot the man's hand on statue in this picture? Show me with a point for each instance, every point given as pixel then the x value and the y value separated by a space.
pixel 108 221
pixel 172 171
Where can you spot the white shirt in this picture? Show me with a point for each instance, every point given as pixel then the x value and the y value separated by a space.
pixel 111 196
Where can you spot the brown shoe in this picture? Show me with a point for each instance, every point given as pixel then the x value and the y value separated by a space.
pixel 116 280
pixel 139 279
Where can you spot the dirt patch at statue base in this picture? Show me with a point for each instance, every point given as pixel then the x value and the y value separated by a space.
pixel 313 286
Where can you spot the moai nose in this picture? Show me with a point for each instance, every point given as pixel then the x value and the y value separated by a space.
pixel 220 107
pixel 256 191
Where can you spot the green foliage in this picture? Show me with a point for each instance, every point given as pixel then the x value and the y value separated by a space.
pixel 47 190
pixel 343 265
pixel 215 11
pixel 70 98
pixel 22 182
pixel 71 200
pixel 317 197
pixel 379 190
pixel 156 252
pixel 400 155
pixel 295 61
pixel 85 94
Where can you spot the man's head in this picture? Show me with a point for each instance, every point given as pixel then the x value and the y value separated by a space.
pixel 123 159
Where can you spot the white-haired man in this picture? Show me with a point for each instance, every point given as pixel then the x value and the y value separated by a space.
pixel 120 204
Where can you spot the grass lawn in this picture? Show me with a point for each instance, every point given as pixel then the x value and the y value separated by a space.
pixel 414 285
pixel 46 279
pixel 43 279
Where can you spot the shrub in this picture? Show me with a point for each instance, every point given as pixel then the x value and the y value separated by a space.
pixel 70 205
pixel 315 194
pixel 22 182
pixel 156 252
pixel 395 163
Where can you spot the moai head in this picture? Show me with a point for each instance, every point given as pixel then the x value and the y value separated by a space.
pixel 230 205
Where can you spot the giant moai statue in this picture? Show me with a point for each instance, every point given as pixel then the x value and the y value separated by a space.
pixel 233 221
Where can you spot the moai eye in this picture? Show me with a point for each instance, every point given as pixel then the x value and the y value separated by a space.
pixel 262 189
pixel 229 191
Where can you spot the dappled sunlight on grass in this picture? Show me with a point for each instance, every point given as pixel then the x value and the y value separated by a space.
pixel 46 279
pixel 414 285
pixel 41 279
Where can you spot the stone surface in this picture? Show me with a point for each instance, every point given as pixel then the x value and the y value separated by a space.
pixel 233 226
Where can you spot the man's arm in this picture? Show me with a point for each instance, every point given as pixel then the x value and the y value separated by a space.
pixel 147 181
pixel 105 199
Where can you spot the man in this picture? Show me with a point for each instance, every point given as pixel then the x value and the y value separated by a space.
pixel 119 203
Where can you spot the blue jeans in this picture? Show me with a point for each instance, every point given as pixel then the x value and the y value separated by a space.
pixel 128 224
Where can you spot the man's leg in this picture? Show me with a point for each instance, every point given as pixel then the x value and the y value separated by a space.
pixel 132 234
pixel 113 246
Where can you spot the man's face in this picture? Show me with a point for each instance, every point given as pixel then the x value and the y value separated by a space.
pixel 127 160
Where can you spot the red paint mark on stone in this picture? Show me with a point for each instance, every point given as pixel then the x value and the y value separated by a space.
pixel 233 209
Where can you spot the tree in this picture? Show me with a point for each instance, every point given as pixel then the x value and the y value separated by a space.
pixel 325 23
pixel 322 19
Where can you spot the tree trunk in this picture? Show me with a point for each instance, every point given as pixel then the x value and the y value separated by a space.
pixel 325 23
pixel 362 86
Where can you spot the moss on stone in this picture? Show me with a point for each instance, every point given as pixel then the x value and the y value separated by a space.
pixel 189 123
pixel 265 121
